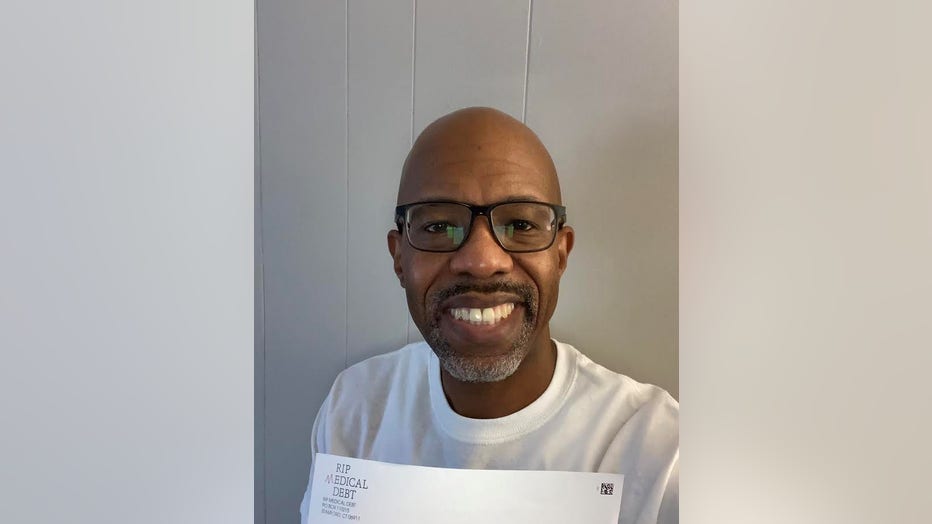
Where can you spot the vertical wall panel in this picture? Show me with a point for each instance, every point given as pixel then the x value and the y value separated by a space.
pixel 126 232
pixel 380 105
pixel 302 112
pixel 468 54
pixel 602 88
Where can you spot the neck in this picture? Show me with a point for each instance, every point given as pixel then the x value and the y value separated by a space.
pixel 499 399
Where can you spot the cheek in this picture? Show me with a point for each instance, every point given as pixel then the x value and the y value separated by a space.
pixel 548 283
pixel 420 274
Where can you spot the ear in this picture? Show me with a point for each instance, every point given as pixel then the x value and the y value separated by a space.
pixel 394 247
pixel 565 239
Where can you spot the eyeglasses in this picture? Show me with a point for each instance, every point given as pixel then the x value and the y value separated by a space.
pixel 444 226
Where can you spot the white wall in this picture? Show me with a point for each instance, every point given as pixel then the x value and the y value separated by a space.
pixel 343 88
pixel 125 288
pixel 126 285
pixel 806 235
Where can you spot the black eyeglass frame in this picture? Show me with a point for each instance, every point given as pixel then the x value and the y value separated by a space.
pixel 401 211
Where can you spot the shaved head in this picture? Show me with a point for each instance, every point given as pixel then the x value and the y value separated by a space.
pixel 477 141
pixel 482 157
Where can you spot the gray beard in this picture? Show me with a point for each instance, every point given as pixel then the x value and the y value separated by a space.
pixel 467 368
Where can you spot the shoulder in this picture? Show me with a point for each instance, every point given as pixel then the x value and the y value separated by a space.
pixel 640 426
pixel 624 395
pixel 368 397
pixel 372 378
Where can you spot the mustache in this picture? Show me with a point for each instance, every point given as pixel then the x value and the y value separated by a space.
pixel 525 291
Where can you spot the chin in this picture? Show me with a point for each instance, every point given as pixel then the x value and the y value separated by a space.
pixel 481 363
pixel 480 369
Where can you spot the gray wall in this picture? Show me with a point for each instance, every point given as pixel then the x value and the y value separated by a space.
pixel 126 286
pixel 343 88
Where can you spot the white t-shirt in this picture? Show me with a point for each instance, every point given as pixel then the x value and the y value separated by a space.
pixel 392 408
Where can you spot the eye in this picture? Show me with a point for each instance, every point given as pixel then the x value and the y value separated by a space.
pixel 522 225
pixel 437 227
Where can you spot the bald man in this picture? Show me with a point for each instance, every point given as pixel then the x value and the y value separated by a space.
pixel 480 244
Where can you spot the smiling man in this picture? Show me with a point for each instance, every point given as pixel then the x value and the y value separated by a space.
pixel 480 246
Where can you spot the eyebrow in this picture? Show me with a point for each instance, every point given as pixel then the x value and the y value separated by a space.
pixel 525 198
pixel 512 198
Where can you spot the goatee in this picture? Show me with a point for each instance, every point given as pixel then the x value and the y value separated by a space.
pixel 471 368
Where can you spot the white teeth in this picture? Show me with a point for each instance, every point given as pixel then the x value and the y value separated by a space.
pixel 487 316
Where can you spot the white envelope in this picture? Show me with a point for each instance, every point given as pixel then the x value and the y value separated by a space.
pixel 356 490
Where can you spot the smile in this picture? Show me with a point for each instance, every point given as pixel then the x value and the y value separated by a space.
pixel 482 316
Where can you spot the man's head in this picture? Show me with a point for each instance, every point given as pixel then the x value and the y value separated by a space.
pixel 481 157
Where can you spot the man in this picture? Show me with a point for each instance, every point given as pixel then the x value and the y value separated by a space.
pixel 479 249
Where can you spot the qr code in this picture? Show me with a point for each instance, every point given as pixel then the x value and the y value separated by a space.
pixel 607 489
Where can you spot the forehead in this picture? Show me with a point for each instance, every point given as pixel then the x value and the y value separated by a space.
pixel 478 173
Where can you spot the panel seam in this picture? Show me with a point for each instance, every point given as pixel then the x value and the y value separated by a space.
pixel 527 60
pixel 413 83
pixel 346 171
pixel 260 274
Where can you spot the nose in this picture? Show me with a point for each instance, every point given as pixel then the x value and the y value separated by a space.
pixel 481 256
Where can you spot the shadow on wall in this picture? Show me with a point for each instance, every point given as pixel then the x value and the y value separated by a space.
pixel 621 191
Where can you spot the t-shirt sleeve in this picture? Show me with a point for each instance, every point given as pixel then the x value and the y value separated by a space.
pixel 670 504
pixel 318 444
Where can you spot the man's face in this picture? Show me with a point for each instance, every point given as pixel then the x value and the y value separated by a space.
pixel 442 288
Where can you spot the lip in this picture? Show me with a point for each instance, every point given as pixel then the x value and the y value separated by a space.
pixel 495 338
pixel 479 300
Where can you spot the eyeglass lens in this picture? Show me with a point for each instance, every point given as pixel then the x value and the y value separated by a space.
pixel 518 226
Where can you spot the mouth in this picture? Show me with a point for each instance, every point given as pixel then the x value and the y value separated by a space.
pixel 485 316
pixel 490 323
pixel 483 320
